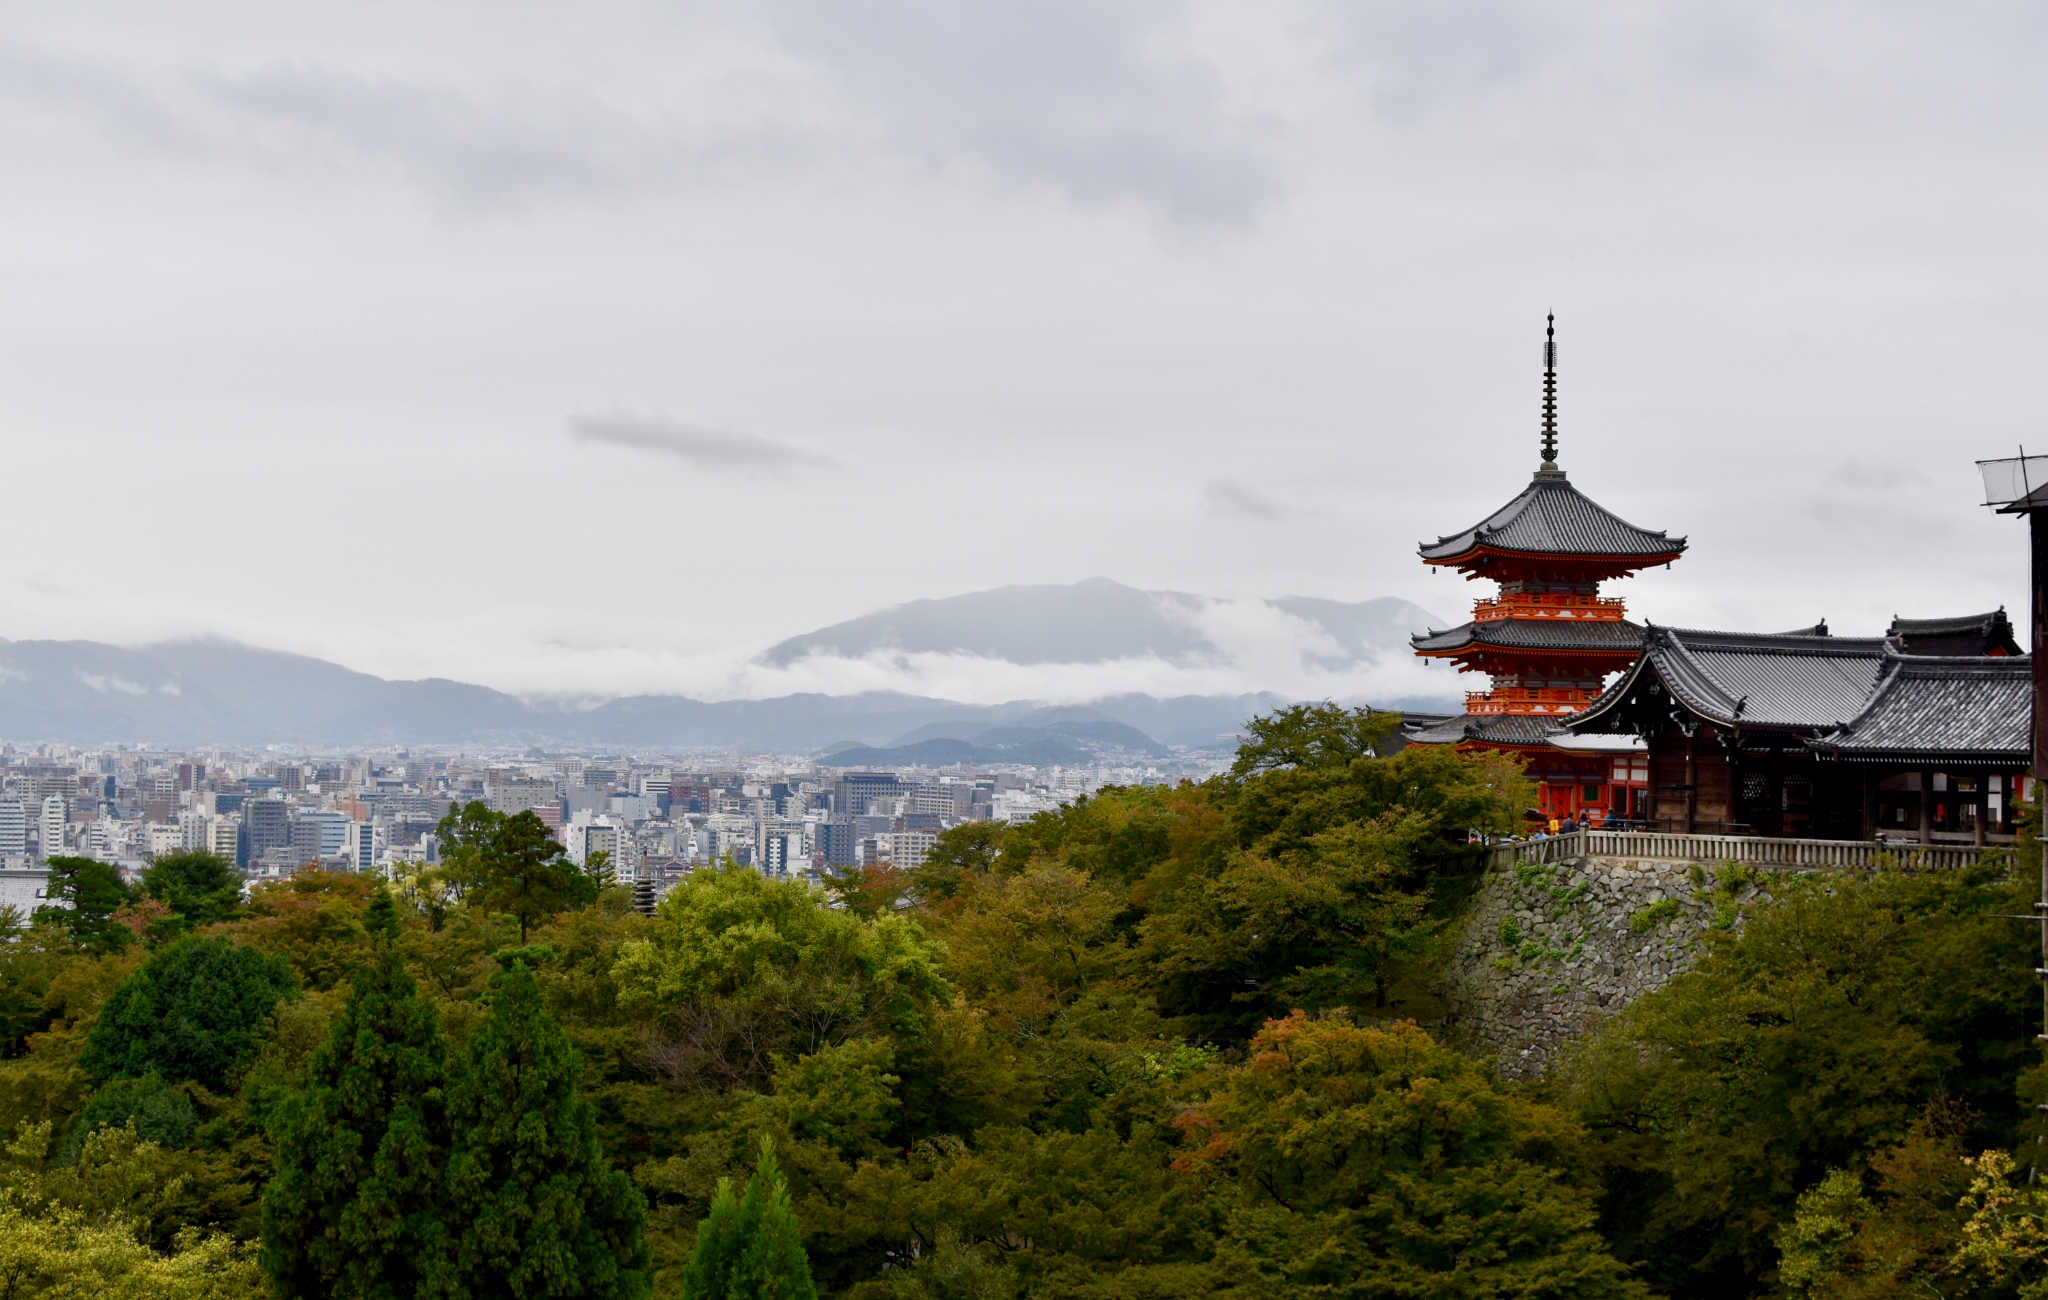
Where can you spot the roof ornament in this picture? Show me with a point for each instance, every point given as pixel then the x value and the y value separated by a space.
pixel 1549 465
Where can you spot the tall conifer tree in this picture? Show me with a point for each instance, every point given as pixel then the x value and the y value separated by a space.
pixel 748 1247
pixel 355 1206
pixel 534 1208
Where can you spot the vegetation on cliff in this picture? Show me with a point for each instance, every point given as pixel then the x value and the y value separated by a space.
pixel 1161 1042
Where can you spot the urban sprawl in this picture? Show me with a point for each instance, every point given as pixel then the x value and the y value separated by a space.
pixel 653 820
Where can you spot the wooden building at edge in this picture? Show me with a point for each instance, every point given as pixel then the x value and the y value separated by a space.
pixel 1922 734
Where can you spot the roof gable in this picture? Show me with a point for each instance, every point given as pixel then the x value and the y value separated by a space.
pixel 1962 634
pixel 1792 681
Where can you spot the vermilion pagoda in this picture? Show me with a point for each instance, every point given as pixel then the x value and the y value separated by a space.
pixel 1548 638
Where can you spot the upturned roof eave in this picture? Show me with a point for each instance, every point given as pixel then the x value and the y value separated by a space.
pixel 1639 560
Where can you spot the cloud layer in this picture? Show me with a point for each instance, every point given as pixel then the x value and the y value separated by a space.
pixel 1237 299
pixel 701 448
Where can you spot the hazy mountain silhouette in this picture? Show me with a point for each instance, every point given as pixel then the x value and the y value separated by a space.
pixel 1096 621
pixel 219 692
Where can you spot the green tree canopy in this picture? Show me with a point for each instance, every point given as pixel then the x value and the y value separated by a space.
pixel 1372 1162
pixel 199 887
pixel 92 892
pixel 1819 1032
pixel 195 1011
pixel 160 1113
pixel 748 1247
pixel 1311 736
pixel 534 1206
pixel 511 864
pixel 355 1206
pixel 741 967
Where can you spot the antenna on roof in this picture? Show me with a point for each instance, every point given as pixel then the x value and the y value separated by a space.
pixel 1550 396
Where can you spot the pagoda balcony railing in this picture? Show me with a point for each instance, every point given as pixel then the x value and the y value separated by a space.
pixel 1540 701
pixel 1558 605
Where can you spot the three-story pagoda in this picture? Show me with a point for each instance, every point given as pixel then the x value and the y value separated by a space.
pixel 1548 638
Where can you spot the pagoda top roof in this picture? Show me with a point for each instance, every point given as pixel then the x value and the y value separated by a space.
pixel 1942 705
pixel 1552 518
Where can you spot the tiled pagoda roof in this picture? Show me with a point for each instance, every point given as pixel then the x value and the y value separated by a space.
pixel 1551 517
pixel 1534 634
pixel 1495 729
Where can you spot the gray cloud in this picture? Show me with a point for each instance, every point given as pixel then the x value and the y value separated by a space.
pixel 706 449
pixel 490 149
pixel 1785 243
pixel 1418 58
pixel 500 146
pixel 1233 500
pixel 1094 102
pixel 1087 98
pixel 115 101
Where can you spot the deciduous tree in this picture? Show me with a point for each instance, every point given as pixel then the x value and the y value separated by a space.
pixel 195 1011
pixel 1370 1161
pixel 512 865
pixel 199 887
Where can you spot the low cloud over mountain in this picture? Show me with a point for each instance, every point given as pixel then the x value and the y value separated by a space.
pixel 1180 668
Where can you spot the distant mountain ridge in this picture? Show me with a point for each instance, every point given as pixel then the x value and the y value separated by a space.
pixel 205 692
pixel 1096 621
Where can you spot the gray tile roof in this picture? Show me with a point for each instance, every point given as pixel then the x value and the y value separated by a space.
pixel 1552 517
pixel 1536 634
pixel 1499 729
pixel 1794 681
pixel 1963 634
pixel 1942 707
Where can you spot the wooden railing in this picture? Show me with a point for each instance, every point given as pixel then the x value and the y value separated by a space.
pixel 1555 604
pixel 1560 700
pixel 1751 849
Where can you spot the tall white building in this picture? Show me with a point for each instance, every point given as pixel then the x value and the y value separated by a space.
pixel 53 826
pixel 782 852
pixel 13 829
pixel 223 837
pixel 359 842
pixel 583 839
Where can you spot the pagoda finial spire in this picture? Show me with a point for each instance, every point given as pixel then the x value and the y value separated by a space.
pixel 1550 396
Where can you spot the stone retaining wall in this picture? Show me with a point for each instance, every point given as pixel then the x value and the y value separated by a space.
pixel 1546 952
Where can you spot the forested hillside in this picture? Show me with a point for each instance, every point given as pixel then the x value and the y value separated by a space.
pixel 1165 1042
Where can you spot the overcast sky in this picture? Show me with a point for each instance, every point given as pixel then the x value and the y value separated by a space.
pixel 587 347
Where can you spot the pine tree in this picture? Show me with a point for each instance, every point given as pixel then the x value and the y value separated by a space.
pixel 748 1247
pixel 534 1208
pixel 354 1206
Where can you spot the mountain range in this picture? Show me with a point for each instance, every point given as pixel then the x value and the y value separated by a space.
pixel 217 692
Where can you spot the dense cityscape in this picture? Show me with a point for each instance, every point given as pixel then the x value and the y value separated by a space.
pixel 653 819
